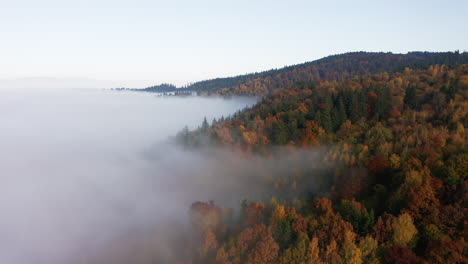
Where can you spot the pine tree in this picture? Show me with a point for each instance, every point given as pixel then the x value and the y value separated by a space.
pixel 355 107
pixel 341 116
pixel 383 105
pixel 205 125
pixel 410 97
pixel 325 120
pixel 280 133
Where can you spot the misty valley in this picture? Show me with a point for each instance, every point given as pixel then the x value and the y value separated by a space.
pixel 81 168
pixel 353 158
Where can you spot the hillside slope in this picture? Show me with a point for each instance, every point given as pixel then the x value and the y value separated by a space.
pixel 336 67
pixel 395 192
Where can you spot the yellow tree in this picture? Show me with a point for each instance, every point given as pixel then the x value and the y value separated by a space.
pixel 368 247
pixel 350 252
pixel 403 229
pixel 313 252
pixel 331 254
pixel 278 215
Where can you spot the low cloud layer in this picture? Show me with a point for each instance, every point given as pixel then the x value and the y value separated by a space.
pixel 199 175
pixel 75 171
pixel 92 176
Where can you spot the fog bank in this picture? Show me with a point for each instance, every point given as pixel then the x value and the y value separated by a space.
pixel 82 167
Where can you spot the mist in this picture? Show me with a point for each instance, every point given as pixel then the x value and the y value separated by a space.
pixel 95 176
pixel 79 168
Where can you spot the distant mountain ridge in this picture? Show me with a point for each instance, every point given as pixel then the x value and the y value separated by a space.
pixel 334 67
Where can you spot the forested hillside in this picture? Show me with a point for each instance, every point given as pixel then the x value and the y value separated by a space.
pixel 332 68
pixel 392 132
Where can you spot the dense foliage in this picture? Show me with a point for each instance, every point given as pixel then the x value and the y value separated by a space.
pixel 332 68
pixel 165 87
pixel 401 196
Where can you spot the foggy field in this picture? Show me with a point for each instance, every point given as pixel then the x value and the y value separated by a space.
pixel 81 167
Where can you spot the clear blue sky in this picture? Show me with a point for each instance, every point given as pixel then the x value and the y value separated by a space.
pixel 138 43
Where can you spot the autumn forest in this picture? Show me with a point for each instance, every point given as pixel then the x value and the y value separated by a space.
pixel 390 180
pixel 234 132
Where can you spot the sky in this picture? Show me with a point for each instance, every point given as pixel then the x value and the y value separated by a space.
pixel 141 43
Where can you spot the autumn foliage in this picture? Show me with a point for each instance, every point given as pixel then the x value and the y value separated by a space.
pixel 397 182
